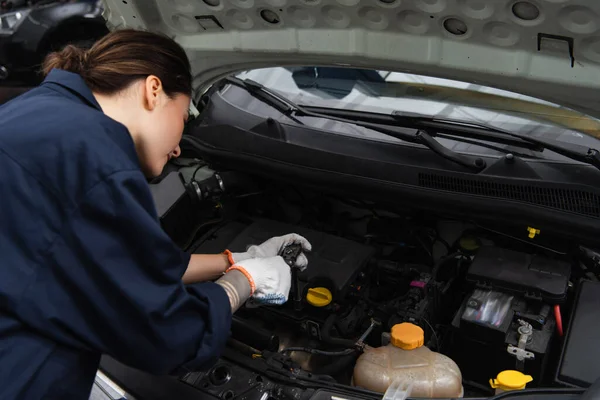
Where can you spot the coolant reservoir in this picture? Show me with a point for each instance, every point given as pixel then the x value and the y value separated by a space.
pixel 405 359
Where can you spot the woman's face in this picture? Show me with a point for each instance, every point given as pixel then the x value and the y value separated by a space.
pixel 160 127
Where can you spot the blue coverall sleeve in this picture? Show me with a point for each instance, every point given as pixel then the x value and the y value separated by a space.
pixel 113 285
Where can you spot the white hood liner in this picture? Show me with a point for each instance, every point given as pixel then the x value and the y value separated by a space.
pixel 488 42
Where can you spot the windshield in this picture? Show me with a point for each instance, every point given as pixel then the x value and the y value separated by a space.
pixel 386 92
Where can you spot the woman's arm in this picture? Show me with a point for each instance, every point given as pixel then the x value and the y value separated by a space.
pixel 205 267
pixel 237 287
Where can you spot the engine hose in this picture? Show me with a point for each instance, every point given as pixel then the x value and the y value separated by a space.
pixel 326 335
pixel 319 352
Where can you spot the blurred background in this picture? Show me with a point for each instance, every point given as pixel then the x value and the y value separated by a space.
pixel 30 29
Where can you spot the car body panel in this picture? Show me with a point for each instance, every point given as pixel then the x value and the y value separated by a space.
pixel 548 49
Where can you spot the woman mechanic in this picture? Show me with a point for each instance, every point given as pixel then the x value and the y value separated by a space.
pixel 86 268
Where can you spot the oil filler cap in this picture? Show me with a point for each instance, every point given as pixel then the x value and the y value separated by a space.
pixel 319 297
pixel 510 380
pixel 407 336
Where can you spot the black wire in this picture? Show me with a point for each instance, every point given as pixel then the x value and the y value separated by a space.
pixel 422 243
pixel 519 239
pixel 319 352
pixel 192 237
pixel 437 340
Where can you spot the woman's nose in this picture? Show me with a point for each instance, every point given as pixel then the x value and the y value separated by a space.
pixel 176 153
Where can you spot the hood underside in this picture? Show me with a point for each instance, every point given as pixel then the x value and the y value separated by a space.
pixel 549 49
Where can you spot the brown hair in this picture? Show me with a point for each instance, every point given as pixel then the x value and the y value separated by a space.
pixel 124 56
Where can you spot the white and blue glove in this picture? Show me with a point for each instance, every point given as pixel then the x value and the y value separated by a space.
pixel 272 248
pixel 270 279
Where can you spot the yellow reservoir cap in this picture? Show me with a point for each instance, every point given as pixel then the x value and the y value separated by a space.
pixel 407 336
pixel 510 380
pixel 319 297
pixel 468 243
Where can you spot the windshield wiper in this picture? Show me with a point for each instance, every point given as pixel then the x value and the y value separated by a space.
pixel 434 126
pixel 257 90
pixel 577 152
pixel 421 136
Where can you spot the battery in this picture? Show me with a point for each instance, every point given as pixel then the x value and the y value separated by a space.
pixel 487 323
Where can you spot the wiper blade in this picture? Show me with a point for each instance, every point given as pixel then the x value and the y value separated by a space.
pixel 421 136
pixel 432 125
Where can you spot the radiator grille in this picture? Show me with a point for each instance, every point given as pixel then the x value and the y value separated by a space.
pixel 570 200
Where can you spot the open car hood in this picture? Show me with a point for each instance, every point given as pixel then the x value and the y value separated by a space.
pixel 549 49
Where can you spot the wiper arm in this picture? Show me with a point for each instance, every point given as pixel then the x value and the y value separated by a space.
pixel 575 152
pixel 468 129
pixel 432 125
pixel 257 90
pixel 421 136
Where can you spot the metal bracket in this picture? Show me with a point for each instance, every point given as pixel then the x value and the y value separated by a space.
pixel 360 343
pixel 525 332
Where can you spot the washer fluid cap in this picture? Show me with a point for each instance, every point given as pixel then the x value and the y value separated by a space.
pixel 510 380
pixel 469 243
pixel 319 297
pixel 407 336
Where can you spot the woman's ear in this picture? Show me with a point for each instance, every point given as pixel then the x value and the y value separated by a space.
pixel 152 90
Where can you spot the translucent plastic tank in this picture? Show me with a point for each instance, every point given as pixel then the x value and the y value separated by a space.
pixel 431 374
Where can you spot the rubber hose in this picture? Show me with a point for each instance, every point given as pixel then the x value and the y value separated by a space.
pixel 325 334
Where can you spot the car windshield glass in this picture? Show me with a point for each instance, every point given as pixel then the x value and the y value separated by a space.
pixel 388 92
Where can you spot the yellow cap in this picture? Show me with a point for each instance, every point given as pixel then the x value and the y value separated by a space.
pixel 319 297
pixel 510 380
pixel 407 336
pixel 532 232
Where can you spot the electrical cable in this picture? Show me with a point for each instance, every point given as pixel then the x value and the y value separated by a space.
pixel 437 340
pixel 192 237
pixel 319 352
pixel 424 245
pixel 559 324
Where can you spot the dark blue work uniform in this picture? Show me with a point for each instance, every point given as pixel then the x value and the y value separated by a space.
pixel 85 267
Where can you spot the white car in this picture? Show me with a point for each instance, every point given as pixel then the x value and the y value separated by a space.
pixel 443 158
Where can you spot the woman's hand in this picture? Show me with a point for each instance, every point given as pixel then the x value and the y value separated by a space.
pixel 270 279
pixel 273 248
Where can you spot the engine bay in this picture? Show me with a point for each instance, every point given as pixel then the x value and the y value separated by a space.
pixel 488 298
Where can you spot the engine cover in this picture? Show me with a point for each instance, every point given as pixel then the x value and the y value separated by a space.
pixel 333 262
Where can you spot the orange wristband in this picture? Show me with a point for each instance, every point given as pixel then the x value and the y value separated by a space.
pixel 229 255
pixel 246 274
